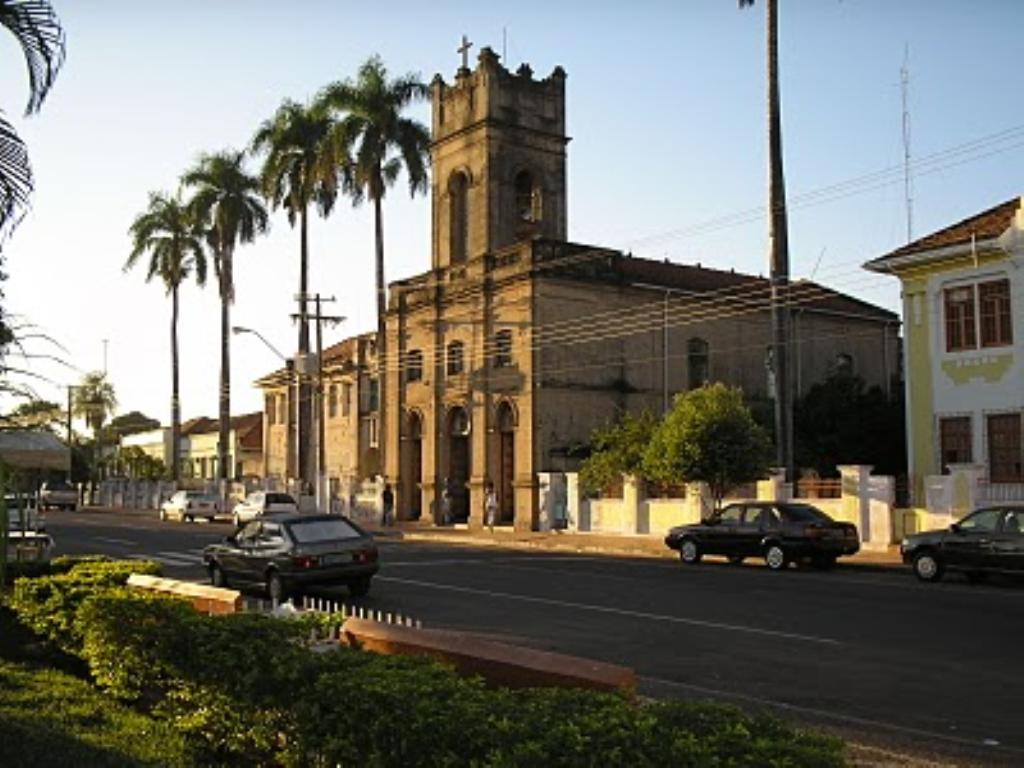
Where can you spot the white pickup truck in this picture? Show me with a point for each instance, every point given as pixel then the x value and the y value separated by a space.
pixel 58 495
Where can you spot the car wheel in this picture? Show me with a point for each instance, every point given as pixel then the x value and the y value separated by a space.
pixel 689 552
pixel 217 577
pixel 927 566
pixel 359 587
pixel 209 519
pixel 187 518
pixel 276 589
pixel 775 557
pixel 736 559
pixel 824 562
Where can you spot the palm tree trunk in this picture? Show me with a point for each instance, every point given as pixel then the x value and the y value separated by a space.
pixel 223 447
pixel 382 357
pixel 305 404
pixel 778 236
pixel 175 403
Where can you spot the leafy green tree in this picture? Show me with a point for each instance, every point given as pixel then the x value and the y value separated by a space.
pixel 616 450
pixel 35 414
pixel 839 421
pixel 709 436
pixel 169 233
pixel 94 400
pixel 37 30
pixel 226 202
pixel 131 423
pixel 299 170
pixel 380 142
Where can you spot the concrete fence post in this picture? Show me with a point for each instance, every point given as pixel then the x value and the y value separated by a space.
pixel 632 490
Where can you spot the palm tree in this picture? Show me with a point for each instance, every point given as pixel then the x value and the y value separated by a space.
pixel 298 171
pixel 227 205
pixel 38 31
pixel 381 142
pixel 171 236
pixel 94 400
pixel 778 236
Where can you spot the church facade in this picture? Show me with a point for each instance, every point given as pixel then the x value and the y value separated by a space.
pixel 517 343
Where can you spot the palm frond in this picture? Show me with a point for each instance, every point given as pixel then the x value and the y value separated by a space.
pixel 15 179
pixel 37 29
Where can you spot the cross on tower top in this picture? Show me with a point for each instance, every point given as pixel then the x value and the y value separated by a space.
pixel 464 50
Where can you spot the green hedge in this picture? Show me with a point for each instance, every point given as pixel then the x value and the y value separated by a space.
pixel 48 604
pixel 49 718
pixel 246 690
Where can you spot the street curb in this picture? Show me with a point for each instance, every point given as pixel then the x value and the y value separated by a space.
pixel 552 545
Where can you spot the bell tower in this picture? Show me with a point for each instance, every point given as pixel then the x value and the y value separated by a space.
pixel 497 159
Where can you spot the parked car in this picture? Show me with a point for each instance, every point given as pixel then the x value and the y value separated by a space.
pixel 188 505
pixel 58 495
pixel 989 540
pixel 260 503
pixel 285 553
pixel 27 539
pixel 780 532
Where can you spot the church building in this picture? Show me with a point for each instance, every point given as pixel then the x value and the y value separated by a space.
pixel 517 343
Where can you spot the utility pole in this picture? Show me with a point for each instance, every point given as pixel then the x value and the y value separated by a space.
pixel 105 343
pixel 71 388
pixel 778 236
pixel 318 397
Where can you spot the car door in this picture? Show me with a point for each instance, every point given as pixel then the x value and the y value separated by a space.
pixel 746 535
pixel 1007 548
pixel 240 563
pixel 269 546
pixel 720 536
pixel 968 544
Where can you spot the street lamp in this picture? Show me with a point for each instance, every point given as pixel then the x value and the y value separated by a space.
pixel 237 330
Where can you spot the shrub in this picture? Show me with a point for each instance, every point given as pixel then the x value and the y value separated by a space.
pixel 49 718
pixel 48 604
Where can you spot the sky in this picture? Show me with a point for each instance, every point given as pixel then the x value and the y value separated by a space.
pixel 665 107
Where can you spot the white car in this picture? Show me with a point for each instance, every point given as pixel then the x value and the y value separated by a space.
pixel 262 503
pixel 27 539
pixel 188 505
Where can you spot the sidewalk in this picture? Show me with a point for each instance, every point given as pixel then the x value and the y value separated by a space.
pixel 616 545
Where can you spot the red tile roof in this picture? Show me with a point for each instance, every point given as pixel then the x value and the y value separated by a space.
pixel 982 226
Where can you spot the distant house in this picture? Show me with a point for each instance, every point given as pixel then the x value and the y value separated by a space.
pixel 198 448
pixel 963 307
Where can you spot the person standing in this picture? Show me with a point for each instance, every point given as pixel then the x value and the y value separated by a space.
pixel 446 504
pixel 388 503
pixel 490 507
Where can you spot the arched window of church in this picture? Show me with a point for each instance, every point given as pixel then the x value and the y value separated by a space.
pixel 414 365
pixel 455 360
pixel 697 362
pixel 843 365
pixel 458 199
pixel 527 197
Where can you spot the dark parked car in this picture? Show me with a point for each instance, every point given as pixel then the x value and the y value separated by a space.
pixel 988 540
pixel 780 532
pixel 285 553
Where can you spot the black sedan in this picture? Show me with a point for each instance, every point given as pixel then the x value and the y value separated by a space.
pixel 780 532
pixel 285 553
pixel 989 540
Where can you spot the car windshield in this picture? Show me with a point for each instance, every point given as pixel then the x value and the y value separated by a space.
pixel 279 498
pixel 309 531
pixel 198 495
pixel 58 486
pixel 804 513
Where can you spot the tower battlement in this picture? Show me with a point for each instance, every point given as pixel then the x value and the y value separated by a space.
pixel 497 157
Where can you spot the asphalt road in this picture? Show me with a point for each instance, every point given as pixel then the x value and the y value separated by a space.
pixel 933 669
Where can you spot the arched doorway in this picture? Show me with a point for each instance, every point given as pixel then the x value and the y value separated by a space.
pixel 413 474
pixel 458 464
pixel 506 463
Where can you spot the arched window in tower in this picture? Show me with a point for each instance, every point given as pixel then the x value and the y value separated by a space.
pixel 458 201
pixel 697 362
pixel 527 197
